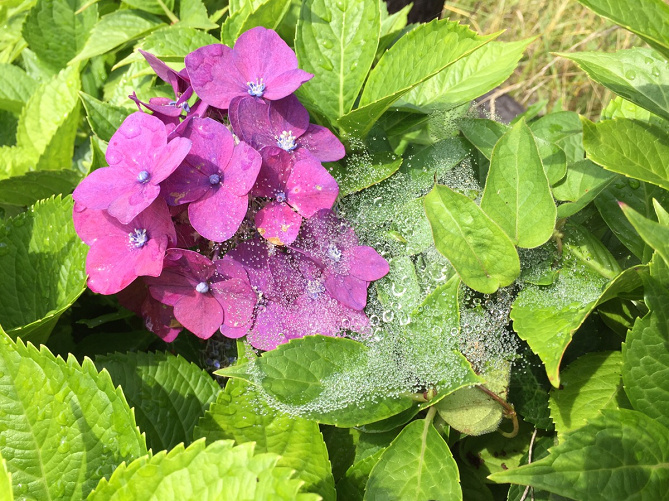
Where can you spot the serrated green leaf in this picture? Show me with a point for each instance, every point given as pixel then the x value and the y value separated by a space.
pixel 636 74
pixel 240 414
pixel 621 108
pixel 417 465
pixel 115 29
pixel 304 371
pixel 588 385
pixel 338 52
pixel 56 30
pixel 358 175
pixel 15 88
pixel 484 257
pixel 169 393
pixel 389 80
pixel 629 147
pixel 654 234
pixel 470 77
pixel 27 189
pixel 42 264
pixel 152 6
pixel 193 14
pixel 136 77
pixel 517 195
pixel 622 454
pixel 528 390
pixel 64 425
pixel 583 182
pixel 646 356
pixel 352 486
pixel 104 118
pixel 198 473
pixel 267 13
pixel 564 129
pixel 646 18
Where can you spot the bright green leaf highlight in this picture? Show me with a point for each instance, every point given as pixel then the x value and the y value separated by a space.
pixel 251 14
pixel 64 425
pixel 583 182
pixel 517 195
pixel 152 6
pixel 169 393
pixel 417 465
pixel 6 491
pixel 15 87
pixel 588 385
pixel 103 118
pixel 42 265
pixel 484 257
pixel 27 189
pixel 336 40
pixel 634 149
pixel 654 234
pixel 622 454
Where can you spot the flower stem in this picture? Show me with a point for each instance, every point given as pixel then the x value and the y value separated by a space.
pixel 508 411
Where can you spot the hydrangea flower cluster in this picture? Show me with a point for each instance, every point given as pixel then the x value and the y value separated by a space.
pixel 217 216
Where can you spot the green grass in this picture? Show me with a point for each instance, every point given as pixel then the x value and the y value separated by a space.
pixel 562 26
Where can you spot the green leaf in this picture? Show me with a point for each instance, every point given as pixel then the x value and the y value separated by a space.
pixel 484 257
pixel 548 316
pixel 56 30
pixel 433 46
pixel 103 118
pixel 588 385
pixel 634 149
pixel 359 174
pixel 654 234
pixel 517 195
pixel 352 486
pixel 582 184
pixel 621 108
pixel 339 52
pixel 646 18
pixel 240 414
pixel 64 425
pixel 6 492
pixel 115 29
pixel 304 372
pixel 15 88
pixel 193 14
pixel 467 79
pixel 251 14
pixel 528 390
pixel 42 264
pixel 646 356
pixel 622 454
pixel 169 393
pixel 198 473
pixel 152 6
pixel 639 75
pixel 564 129
pixel 417 465
pixel 27 189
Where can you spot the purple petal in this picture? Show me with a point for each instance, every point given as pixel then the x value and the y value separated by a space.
pixel 199 313
pixel 253 256
pixel 348 290
pixel 102 186
pixel 133 201
pixel 286 83
pixel 169 159
pixel 214 75
pixel 274 172
pixel 288 114
pixel 136 143
pixel 178 81
pixel 182 271
pixel 322 144
pixel 270 328
pixel 311 187
pixel 212 144
pixel 278 223
pixel 238 301
pixel 367 264
pixel 241 172
pixel 249 117
pixel 185 185
pixel 233 332
pixel 217 217
pixel 159 319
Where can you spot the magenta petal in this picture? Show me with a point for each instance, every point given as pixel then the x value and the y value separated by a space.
pixel 233 332
pixel 177 80
pixel 367 264
pixel 101 187
pixel 264 54
pixel 238 301
pixel 288 114
pixel 249 117
pixel 322 144
pixel 214 75
pixel 127 206
pixel 242 170
pixel 286 83
pixel 276 167
pixel 348 290
pixel 199 313
pixel 136 143
pixel 271 327
pixel 278 223
pixel 217 217
pixel 109 270
pixel 169 159
pixel 182 271
pixel 311 187
pixel 159 319
pixel 212 144
pixel 186 184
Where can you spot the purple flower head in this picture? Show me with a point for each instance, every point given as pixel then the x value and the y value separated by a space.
pixel 119 252
pixel 206 295
pixel 215 178
pixel 139 158
pixel 261 64
pixel 283 124
pixel 348 268
pixel 294 301
pixel 178 80
pixel 161 108
pixel 305 186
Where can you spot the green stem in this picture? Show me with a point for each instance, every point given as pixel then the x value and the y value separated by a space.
pixel 168 12
pixel 430 414
pixel 508 411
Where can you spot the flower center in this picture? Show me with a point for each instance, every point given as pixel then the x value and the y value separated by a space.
pixel 281 197
pixel 214 179
pixel 202 287
pixel 138 238
pixel 256 89
pixel 315 288
pixel 143 176
pixel 334 253
pixel 286 141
